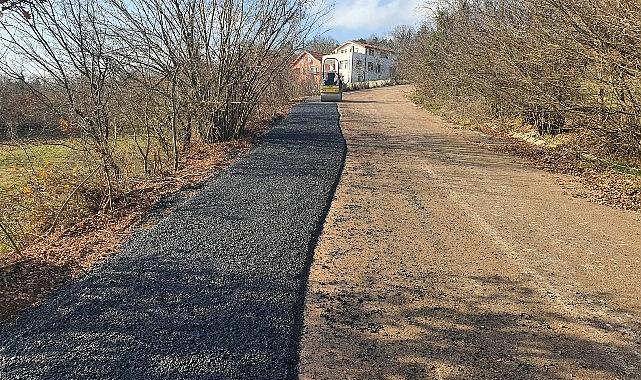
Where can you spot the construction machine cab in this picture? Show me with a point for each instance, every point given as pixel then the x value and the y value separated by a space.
pixel 332 86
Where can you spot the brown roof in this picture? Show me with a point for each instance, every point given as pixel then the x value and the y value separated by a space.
pixel 317 56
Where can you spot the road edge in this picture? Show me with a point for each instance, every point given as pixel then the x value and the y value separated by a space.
pixel 299 309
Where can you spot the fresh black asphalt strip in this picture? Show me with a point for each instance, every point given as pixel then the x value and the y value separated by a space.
pixel 213 291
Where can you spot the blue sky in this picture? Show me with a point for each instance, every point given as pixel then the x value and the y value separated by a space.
pixel 353 19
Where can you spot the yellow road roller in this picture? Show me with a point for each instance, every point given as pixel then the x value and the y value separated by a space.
pixel 332 87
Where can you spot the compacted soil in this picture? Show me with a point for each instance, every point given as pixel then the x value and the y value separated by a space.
pixel 440 259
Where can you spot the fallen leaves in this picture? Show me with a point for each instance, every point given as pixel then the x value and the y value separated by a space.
pixel 602 182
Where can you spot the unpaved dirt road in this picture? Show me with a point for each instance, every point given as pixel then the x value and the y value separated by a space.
pixel 443 260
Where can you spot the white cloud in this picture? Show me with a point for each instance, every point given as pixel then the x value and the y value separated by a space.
pixel 375 15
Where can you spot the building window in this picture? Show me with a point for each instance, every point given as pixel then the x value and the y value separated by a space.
pixel 343 64
pixel 359 64
pixel 370 66
pixel 378 68
pixel 314 70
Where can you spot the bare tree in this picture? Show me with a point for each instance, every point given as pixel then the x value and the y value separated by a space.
pixel 322 44
pixel 65 44
pixel 142 81
pixel 217 58
pixel 17 5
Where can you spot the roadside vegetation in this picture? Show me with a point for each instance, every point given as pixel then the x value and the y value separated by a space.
pixel 562 76
pixel 106 106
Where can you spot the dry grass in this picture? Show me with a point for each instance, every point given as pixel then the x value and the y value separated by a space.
pixel 35 178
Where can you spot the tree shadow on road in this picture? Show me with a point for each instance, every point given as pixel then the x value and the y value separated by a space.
pixel 156 320
pixel 394 333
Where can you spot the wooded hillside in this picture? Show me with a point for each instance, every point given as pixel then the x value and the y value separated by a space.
pixel 561 65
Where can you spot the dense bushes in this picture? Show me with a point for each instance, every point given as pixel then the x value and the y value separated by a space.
pixel 558 64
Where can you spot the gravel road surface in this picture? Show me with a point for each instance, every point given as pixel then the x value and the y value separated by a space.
pixel 214 291
pixel 441 259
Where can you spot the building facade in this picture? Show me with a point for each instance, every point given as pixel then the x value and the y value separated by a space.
pixel 307 71
pixel 361 62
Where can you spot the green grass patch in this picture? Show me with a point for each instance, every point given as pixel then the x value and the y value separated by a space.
pixel 623 168
pixel 35 179
pixel 17 164
pixel 424 101
pixel 618 166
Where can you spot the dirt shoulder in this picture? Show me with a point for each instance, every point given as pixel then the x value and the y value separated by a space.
pixel 444 259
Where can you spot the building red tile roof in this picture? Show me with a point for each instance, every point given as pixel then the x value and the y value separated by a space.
pixel 317 56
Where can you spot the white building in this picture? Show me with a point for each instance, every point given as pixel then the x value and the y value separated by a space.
pixel 361 62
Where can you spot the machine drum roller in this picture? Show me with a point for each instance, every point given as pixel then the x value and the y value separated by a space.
pixel 332 88
pixel 331 94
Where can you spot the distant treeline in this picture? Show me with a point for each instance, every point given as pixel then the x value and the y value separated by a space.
pixel 22 114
